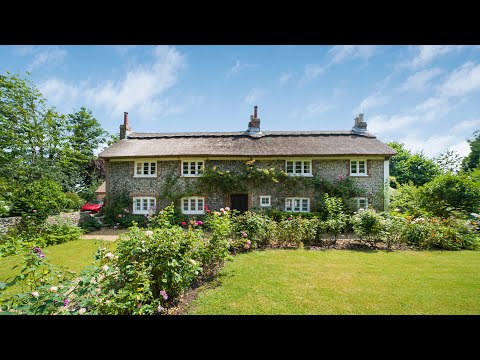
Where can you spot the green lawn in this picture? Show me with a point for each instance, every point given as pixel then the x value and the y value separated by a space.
pixel 75 255
pixel 344 282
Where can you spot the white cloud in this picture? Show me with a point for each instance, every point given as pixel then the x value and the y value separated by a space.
pixel 284 78
pixel 23 50
pixel 340 53
pixel 370 102
pixel 419 80
pixel 382 124
pixel 254 95
pixel 463 80
pixel 466 125
pixel 425 54
pixel 315 109
pixel 51 56
pixel 124 49
pixel 313 70
pixel 235 69
pixel 431 146
pixel 462 148
pixel 140 88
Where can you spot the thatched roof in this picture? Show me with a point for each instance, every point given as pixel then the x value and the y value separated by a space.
pixel 267 143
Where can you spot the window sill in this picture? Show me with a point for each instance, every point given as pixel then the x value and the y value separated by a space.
pixel 359 175
pixel 191 176
pixel 144 176
pixel 193 212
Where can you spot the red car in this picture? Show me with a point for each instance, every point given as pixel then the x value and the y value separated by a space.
pixel 93 206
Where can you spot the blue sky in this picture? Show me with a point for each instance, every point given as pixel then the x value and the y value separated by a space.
pixel 423 96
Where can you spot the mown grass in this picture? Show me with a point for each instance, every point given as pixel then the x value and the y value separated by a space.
pixel 74 255
pixel 344 282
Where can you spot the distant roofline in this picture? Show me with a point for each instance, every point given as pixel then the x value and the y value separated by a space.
pixel 151 135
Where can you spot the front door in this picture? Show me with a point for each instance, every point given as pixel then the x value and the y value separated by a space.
pixel 239 202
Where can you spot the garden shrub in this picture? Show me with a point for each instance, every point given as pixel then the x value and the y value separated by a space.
pixel 337 220
pixel 258 227
pixel 90 223
pixel 369 226
pixel 74 202
pixel 437 233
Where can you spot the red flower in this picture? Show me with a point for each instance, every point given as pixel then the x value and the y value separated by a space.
pixel 184 223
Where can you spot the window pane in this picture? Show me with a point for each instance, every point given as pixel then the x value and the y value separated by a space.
pixel 200 205
pixel 192 168
pixel 289 167
pixel 139 168
pixel 192 204
pixel 185 168
pixel 137 204
pixel 144 204
pixel 353 167
pixel 361 167
pixel 306 167
pixel 153 167
pixel 298 167
pixel 152 203
pixel 185 204
pixel 304 205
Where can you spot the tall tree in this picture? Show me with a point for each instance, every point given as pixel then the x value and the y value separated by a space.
pixel 449 161
pixel 32 135
pixel 406 167
pixel 85 137
pixel 472 161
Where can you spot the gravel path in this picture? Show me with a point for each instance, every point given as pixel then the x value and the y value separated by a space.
pixel 104 234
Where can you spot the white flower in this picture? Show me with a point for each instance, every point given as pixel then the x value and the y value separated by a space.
pixel 35 294
pixel 160 308
pixel 105 267
pixel 82 311
pixel 60 286
pixel 227 209
pixel 107 302
pixel 148 233
pixel 222 209
pixel 53 289
pixel 109 255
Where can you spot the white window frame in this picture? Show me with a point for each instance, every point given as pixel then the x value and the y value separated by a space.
pixel 145 202
pixel 267 197
pixel 358 199
pixel 302 165
pixel 357 167
pixel 292 200
pixel 198 168
pixel 195 210
pixel 143 162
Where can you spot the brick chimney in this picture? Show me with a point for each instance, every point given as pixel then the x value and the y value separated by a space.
pixel 360 125
pixel 125 130
pixel 254 124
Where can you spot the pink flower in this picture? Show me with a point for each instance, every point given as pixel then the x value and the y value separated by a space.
pixel 34 210
pixel 126 210
pixel 340 177
pixel 65 302
pixel 222 209
pixel 164 294
pixel 289 218
pixel 200 222
pixel 139 305
pixel 244 234
pixel 208 211
pixel 184 223
pixel 119 215
pixel 227 208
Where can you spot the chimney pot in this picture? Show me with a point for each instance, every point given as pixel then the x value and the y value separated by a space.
pixel 125 119
pixel 255 112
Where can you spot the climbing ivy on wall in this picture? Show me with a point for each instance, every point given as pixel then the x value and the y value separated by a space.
pixel 250 177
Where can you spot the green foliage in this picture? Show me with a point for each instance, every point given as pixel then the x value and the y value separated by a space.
pixel 165 218
pixel 118 214
pixel 337 220
pixel 449 162
pixel 20 238
pixel 220 224
pixel 472 160
pixel 408 199
pixel 37 200
pixel 90 223
pixel 74 202
pixel 450 192
pixel 369 226
pixel 406 167
pixel 257 227
pixel 436 233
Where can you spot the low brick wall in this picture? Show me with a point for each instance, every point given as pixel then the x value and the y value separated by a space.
pixel 70 218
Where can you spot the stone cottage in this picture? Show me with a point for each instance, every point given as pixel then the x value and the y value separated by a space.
pixel 150 170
